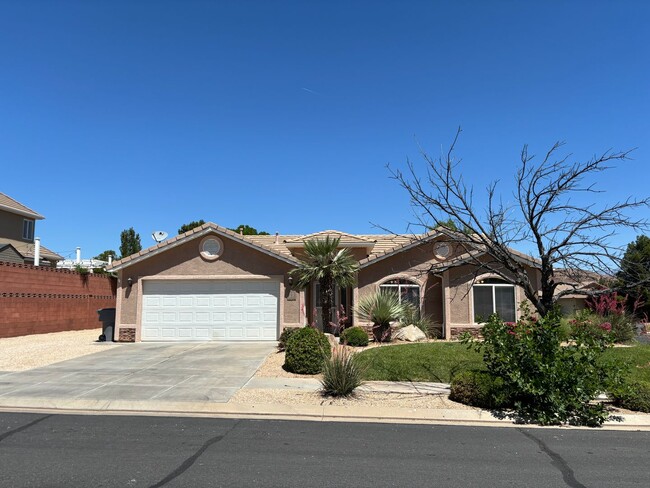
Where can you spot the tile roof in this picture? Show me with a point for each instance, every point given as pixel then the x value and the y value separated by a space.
pixel 380 245
pixel 10 205
pixel 199 232
pixel 26 249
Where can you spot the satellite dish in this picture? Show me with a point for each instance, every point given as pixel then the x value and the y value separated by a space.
pixel 159 235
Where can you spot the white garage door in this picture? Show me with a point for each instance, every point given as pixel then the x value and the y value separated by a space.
pixel 232 310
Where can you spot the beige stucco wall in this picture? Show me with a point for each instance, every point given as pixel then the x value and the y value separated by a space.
pixel 413 264
pixel 184 261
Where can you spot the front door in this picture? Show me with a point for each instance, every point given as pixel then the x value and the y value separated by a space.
pixel 341 299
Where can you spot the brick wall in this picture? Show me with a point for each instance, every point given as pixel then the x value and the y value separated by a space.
pixel 36 300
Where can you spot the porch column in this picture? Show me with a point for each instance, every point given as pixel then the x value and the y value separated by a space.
pixel 446 305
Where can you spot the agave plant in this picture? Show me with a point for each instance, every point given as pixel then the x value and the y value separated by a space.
pixel 380 308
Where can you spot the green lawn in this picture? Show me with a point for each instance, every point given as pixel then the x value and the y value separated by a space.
pixel 439 361
pixel 638 357
pixel 433 361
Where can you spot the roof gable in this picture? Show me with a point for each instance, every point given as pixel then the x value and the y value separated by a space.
pixel 345 239
pixel 203 230
pixel 8 204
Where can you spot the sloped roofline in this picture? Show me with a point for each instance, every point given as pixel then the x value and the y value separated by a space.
pixel 433 234
pixel 341 235
pixel 12 205
pixel 205 229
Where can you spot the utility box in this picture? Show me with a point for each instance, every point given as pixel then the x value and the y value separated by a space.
pixel 107 318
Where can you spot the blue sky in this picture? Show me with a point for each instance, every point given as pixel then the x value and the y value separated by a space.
pixel 283 115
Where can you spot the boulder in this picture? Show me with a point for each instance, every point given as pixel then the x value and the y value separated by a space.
pixel 333 340
pixel 409 333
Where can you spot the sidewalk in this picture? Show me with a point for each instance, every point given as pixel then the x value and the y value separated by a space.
pixel 323 412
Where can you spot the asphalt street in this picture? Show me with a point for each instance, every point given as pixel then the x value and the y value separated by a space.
pixel 135 451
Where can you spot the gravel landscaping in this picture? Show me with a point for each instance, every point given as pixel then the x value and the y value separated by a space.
pixel 272 368
pixel 33 351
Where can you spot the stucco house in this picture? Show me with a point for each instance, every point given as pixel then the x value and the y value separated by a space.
pixel 214 284
pixel 17 231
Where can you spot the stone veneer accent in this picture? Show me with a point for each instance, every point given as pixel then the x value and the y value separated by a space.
pixel 456 331
pixel 127 334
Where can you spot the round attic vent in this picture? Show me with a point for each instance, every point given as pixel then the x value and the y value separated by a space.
pixel 211 248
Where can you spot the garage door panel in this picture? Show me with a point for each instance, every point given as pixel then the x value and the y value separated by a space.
pixel 205 310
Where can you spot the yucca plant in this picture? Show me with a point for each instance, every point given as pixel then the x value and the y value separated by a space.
pixel 380 308
pixel 342 373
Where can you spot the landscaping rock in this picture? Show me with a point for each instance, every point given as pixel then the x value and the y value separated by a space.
pixel 409 333
pixel 333 340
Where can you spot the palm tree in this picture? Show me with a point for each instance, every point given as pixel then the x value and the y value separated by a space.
pixel 330 267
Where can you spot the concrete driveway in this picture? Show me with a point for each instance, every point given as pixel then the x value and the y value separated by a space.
pixel 161 372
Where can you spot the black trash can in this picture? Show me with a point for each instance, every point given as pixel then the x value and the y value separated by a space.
pixel 107 318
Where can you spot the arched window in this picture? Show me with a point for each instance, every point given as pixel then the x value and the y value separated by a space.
pixel 493 295
pixel 407 290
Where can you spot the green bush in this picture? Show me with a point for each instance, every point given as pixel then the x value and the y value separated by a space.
pixel 355 336
pixel 479 389
pixel 284 337
pixel 550 383
pixel 633 396
pixel 306 351
pixel 620 326
pixel 342 373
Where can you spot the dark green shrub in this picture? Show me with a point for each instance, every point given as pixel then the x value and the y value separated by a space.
pixel 306 351
pixel 633 396
pixel 354 336
pixel 284 337
pixel 342 373
pixel 479 389
pixel 550 383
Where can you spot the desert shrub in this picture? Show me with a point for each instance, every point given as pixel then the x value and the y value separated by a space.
pixel 355 336
pixel 633 396
pixel 610 308
pixel 380 308
pixel 306 351
pixel 284 337
pixel 550 383
pixel 342 373
pixel 479 389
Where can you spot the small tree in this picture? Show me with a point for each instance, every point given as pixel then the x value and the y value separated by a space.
pixel 130 242
pixel 548 214
pixel 634 274
pixel 328 265
pixel 247 230
pixel 187 227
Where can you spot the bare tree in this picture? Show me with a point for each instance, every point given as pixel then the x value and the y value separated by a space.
pixel 571 239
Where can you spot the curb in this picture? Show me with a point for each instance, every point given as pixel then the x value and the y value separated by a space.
pixel 322 413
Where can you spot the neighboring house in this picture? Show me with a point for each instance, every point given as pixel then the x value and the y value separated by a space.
pixel 214 284
pixel 17 231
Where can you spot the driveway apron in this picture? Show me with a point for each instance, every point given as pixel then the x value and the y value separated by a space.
pixel 161 372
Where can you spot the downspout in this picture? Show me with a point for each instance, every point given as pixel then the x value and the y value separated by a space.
pixel 37 251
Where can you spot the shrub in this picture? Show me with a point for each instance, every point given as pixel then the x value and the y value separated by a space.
pixel 342 373
pixel 619 326
pixel 633 396
pixel 381 309
pixel 306 351
pixel 284 337
pixel 355 336
pixel 550 383
pixel 479 389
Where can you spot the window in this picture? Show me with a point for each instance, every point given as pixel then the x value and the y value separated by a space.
pixel 494 296
pixel 28 230
pixel 211 248
pixel 406 290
